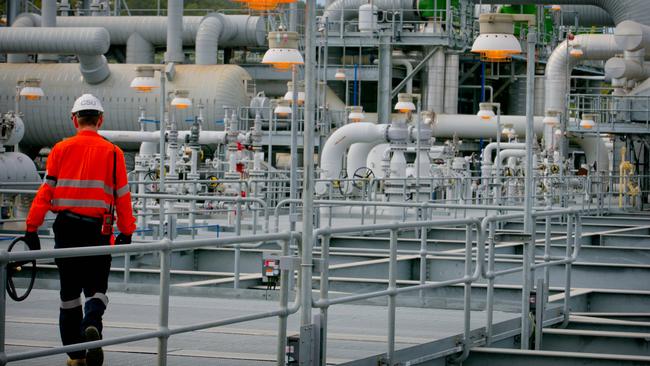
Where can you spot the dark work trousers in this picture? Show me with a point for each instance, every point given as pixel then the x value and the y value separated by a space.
pixel 87 274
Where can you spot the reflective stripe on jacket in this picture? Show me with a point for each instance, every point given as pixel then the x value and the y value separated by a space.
pixel 79 179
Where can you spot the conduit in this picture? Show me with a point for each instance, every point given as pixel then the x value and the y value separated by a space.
pixel 89 44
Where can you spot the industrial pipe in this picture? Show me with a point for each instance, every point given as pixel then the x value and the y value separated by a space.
pixel 88 43
pixel 205 137
pixel 174 32
pixel 341 139
pixel 48 20
pixel 560 64
pixel 487 152
pixel 139 50
pixel 349 9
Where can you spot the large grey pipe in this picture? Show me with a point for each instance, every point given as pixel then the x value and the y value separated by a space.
pixel 48 20
pixel 174 32
pixel 588 16
pixel 141 33
pixel 25 20
pixel 139 50
pixel 89 44
pixel 216 29
pixel 620 10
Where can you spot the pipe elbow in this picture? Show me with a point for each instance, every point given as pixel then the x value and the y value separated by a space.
pixel 207 39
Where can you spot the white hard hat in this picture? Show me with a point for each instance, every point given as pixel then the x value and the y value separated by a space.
pixel 87 102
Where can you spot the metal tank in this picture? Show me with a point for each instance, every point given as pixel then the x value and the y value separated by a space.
pixel 47 120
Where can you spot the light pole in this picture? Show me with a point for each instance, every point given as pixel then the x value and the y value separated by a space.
pixel 497 43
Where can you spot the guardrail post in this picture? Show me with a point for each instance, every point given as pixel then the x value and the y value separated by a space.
pixel 423 260
pixel 392 285
pixel 324 295
pixel 540 300
pixel 163 324
pixel 490 285
pixel 567 270
pixel 3 309
pixel 236 268
pixel 284 300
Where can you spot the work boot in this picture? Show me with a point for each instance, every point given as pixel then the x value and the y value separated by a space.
pixel 76 362
pixel 94 356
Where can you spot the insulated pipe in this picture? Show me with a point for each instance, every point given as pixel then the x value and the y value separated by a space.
pixel 139 50
pixel 349 9
pixel 588 16
pixel 409 70
pixel 510 153
pixel 620 10
pixel 560 64
pixel 341 139
pixel 358 155
pixel 48 120
pixel 88 43
pixel 207 40
pixel 470 126
pixel 487 151
pixel 205 137
pixel 24 20
pixel 620 68
pixel 175 32
pixel 434 95
pixel 48 20
pixel 452 68
pixel 632 36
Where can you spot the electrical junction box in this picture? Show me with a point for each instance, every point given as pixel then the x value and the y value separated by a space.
pixel 270 268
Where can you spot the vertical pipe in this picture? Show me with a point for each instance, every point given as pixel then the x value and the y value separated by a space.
pixel 467 300
pixel 293 16
pixel 423 260
pixel 392 285
pixel 324 294
pixel 3 307
pixel 293 174
pixel 482 81
pixel 284 300
pixel 539 313
pixel 48 20
pixel 355 85
pixel 13 9
pixel 567 270
pixel 163 324
pixel 163 126
pixel 308 167
pixel 529 225
pixel 452 64
pixel 385 80
pixel 174 32
pixel 490 285
pixel 547 251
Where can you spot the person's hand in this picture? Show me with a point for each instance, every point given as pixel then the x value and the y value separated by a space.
pixel 123 239
pixel 32 240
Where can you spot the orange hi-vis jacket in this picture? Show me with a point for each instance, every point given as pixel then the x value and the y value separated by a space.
pixel 80 179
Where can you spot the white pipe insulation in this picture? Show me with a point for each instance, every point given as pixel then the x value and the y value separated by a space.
pixel 471 127
pixel 560 64
pixel 89 44
pixel 487 151
pixel 205 137
pixel 341 140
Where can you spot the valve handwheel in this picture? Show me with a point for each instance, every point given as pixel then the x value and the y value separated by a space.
pixel 361 176
pixel 13 268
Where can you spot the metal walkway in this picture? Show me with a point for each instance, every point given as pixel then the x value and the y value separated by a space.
pixel 355 331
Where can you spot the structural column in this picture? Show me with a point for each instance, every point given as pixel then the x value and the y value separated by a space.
pixel 385 84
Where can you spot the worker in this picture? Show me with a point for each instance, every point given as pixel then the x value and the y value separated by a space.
pixel 85 185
